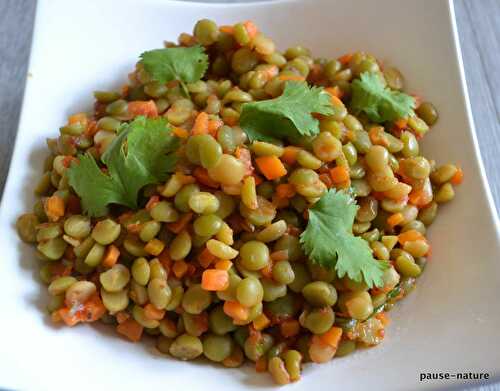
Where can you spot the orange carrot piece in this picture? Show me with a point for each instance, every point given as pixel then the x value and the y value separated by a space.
pixel 177 226
pixel 93 309
pixel 223 264
pixel 458 178
pixel 191 270
pixel 215 280
pixel 401 123
pixel 153 200
pixel 154 247
pixel 78 118
pixel 410 236
pixel 289 328
pixel 227 29
pixel 258 179
pixel 180 132
pixel 91 128
pixel 122 316
pixel 165 259
pixel 60 269
pixel 153 313
pixel 244 156
pixel 67 160
pixel 261 322
pixel 179 268
pixel 267 271
pixel 66 315
pixel 54 208
pixel 200 124
pixel 291 78
pixel 251 28
pixel 377 136
pixel 280 202
pixel 339 174
pixel 326 179
pixel 345 58
pixel 235 310
pixel 185 179
pixel 271 167
pixel 420 197
pixel 111 256
pixel 206 258
pixel 271 72
pixel 379 196
pixel 130 329
pixel 334 92
pixel 290 155
pixel 279 255
pixel 285 190
pixel 395 219
pixel 213 126
pixel 140 107
pixel 336 100
pixel 332 337
pixel 261 364
pixel 383 317
pixel 122 219
pixel 201 175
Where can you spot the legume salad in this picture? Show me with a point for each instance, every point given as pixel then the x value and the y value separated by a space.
pixel 200 204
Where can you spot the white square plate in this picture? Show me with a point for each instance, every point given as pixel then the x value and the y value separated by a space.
pixel 450 323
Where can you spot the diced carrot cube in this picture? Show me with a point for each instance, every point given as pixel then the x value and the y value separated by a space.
pixel 458 178
pixel 235 310
pixel 215 280
pixel 339 174
pixel 111 256
pixel 289 328
pixel 54 207
pixel 290 154
pixel 285 190
pixel 180 268
pixel 261 322
pixel 395 219
pixel 130 329
pixel 332 337
pixel 153 313
pixel 410 236
pixel 223 264
pixel 146 108
pixel 271 167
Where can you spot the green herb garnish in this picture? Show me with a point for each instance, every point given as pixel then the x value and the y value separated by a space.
pixel 289 115
pixel 328 240
pixel 141 154
pixel 378 102
pixel 186 65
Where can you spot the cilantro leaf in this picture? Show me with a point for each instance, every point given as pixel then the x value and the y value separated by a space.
pixel 380 103
pixel 288 115
pixel 180 63
pixel 328 240
pixel 141 154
